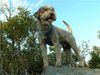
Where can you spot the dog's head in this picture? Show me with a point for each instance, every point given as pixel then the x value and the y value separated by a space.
pixel 46 14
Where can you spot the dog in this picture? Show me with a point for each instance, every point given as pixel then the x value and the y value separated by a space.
pixel 54 36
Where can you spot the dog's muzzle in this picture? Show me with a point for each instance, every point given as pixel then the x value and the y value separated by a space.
pixel 52 16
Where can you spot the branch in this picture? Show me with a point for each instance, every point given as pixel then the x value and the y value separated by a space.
pixel 4 14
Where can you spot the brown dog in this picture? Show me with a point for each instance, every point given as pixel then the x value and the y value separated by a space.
pixel 54 36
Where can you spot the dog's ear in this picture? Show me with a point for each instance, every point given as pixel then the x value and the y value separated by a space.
pixel 37 14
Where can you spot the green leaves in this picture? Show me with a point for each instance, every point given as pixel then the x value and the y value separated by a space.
pixel 95 58
pixel 19 25
pixel 20 52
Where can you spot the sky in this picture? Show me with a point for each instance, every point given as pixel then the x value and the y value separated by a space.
pixel 82 15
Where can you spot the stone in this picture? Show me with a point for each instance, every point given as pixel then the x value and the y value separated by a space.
pixel 65 70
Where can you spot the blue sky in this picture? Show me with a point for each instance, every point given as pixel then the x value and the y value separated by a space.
pixel 82 15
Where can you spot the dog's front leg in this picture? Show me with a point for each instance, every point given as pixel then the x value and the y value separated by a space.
pixel 44 52
pixel 57 47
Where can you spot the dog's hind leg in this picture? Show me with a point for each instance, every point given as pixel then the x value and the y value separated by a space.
pixel 70 59
pixel 68 53
pixel 73 45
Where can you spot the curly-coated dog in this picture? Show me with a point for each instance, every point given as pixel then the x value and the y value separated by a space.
pixel 54 36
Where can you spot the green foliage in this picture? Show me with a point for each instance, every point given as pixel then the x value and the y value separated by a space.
pixel 19 25
pixel 19 51
pixel 95 58
pixel 52 58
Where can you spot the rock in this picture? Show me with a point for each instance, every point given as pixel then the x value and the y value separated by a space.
pixel 65 70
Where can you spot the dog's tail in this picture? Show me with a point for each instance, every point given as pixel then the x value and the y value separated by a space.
pixel 68 26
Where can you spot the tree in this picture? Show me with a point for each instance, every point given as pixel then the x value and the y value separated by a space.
pixel 6 9
pixel 20 53
pixel 94 62
pixel 95 58
pixel 84 50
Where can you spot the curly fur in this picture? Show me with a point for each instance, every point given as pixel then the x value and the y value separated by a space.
pixel 54 36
